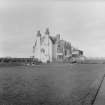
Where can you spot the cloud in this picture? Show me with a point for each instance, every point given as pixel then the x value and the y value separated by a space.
pixel 81 23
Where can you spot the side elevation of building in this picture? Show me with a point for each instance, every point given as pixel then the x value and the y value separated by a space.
pixel 48 48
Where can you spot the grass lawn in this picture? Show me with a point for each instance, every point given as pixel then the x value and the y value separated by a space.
pixel 53 84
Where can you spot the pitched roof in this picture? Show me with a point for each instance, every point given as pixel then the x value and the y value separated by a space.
pixel 53 39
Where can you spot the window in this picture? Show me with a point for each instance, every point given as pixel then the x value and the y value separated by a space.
pixel 58 45
pixel 59 57
pixel 65 52
pixel 59 50
pixel 42 50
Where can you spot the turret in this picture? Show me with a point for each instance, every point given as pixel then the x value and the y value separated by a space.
pixel 38 33
pixel 38 45
pixel 47 31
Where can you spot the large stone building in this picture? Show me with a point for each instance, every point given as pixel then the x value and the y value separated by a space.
pixel 51 48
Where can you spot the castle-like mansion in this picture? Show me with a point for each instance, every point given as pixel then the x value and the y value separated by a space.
pixel 53 48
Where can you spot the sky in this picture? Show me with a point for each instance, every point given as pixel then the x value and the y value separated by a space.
pixel 82 22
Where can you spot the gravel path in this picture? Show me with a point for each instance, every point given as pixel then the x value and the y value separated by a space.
pixel 100 99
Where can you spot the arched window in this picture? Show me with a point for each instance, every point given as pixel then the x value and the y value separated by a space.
pixel 42 50
pixel 65 52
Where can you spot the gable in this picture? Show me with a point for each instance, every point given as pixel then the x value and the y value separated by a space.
pixel 53 39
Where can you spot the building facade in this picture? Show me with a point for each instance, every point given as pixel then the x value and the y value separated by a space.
pixel 51 48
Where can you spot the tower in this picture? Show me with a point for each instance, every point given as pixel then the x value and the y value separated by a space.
pixel 47 33
pixel 38 45
pixel 38 33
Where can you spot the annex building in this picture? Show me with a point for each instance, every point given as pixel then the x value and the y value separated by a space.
pixel 49 48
